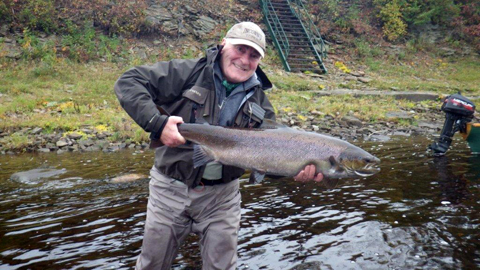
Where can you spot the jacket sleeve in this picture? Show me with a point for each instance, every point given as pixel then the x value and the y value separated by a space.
pixel 142 88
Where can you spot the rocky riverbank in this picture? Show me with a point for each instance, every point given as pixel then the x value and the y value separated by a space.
pixel 424 121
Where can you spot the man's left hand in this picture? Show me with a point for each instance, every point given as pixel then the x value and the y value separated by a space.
pixel 308 174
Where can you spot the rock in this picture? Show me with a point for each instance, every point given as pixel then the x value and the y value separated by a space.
pixel 87 131
pixel 102 144
pixel 351 78
pixel 357 74
pixel 36 131
pixel 10 50
pixel 364 80
pixel 203 26
pixel 170 26
pixel 44 150
pixel 86 143
pixel 61 151
pixel 62 143
pixel 352 121
pixel 73 148
pixel 430 125
pixel 156 14
pixel 400 133
pixel 398 115
pixel 93 148
pixel 75 136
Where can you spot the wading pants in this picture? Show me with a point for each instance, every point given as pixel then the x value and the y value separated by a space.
pixel 174 211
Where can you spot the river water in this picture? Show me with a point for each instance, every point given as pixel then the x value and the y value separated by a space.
pixel 419 212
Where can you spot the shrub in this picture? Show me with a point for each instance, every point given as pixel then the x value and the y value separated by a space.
pixel 393 24
pixel 114 17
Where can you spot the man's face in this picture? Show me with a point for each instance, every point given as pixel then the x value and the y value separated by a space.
pixel 238 62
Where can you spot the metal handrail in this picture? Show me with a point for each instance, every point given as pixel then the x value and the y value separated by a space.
pixel 281 31
pixel 277 32
pixel 311 31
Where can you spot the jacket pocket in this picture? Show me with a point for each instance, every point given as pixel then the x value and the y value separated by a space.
pixel 250 116
pixel 199 97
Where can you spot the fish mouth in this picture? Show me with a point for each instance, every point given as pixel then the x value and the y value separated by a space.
pixel 368 169
pixel 368 172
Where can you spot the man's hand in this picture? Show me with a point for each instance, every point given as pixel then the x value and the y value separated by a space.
pixel 170 135
pixel 308 174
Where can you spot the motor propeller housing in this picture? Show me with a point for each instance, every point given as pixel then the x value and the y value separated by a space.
pixel 459 111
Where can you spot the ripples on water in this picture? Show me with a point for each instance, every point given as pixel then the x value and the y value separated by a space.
pixel 419 212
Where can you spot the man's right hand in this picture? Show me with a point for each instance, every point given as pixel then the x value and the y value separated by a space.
pixel 170 135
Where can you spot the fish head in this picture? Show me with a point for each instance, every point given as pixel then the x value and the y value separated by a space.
pixel 354 161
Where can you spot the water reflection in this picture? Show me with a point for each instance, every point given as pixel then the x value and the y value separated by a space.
pixel 420 212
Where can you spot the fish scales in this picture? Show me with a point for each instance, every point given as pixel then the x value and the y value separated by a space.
pixel 282 151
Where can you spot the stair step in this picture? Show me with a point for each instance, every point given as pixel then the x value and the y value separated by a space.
pixel 292 38
pixel 279 9
pixel 293 28
pixel 302 59
pixel 304 63
pixel 290 18
pixel 296 41
pixel 297 54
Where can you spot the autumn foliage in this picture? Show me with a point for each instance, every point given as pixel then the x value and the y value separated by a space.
pixel 394 20
pixel 390 20
pixel 114 17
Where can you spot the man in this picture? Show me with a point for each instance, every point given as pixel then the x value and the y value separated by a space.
pixel 223 88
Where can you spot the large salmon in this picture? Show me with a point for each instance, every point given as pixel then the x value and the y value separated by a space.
pixel 279 151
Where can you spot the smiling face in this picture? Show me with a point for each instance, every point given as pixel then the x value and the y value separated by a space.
pixel 238 62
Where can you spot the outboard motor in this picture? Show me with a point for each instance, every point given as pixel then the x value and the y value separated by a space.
pixel 459 111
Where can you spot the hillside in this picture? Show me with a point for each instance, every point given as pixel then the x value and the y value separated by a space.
pixel 59 61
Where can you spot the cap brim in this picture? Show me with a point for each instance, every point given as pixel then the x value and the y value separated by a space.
pixel 240 41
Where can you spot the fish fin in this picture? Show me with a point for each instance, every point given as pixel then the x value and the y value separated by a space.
pixel 333 162
pixel 256 177
pixel 271 124
pixel 330 183
pixel 201 156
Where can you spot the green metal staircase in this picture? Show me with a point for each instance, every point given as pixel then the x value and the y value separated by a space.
pixel 297 39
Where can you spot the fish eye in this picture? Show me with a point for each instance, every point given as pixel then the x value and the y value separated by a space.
pixel 368 160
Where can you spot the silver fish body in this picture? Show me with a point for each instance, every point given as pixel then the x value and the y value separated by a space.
pixel 278 151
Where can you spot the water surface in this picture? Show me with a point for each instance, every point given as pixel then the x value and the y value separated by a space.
pixel 419 212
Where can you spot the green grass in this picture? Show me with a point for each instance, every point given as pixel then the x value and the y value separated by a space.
pixel 441 75
pixel 368 108
pixel 66 95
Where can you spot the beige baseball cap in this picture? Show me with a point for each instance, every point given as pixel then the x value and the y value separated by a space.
pixel 247 33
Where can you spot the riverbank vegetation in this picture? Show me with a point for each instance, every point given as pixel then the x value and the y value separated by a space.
pixel 62 75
